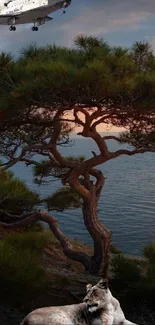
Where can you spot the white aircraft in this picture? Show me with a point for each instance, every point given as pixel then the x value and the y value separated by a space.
pixel 15 12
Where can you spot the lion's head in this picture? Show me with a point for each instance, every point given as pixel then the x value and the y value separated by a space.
pixel 97 296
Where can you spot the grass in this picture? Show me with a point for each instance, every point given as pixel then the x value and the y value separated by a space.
pixel 21 271
pixel 33 241
pixel 20 266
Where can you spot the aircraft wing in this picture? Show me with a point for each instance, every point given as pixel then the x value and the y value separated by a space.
pixel 25 17
pixel 32 15
pixel 4 19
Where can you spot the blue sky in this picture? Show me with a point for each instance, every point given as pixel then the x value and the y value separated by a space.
pixel 120 22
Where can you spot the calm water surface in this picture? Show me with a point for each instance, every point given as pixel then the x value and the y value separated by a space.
pixel 127 203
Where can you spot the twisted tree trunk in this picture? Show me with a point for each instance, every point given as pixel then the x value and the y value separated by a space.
pixel 90 193
pixel 100 235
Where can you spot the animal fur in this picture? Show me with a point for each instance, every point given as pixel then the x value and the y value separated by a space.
pixel 103 307
pixel 99 307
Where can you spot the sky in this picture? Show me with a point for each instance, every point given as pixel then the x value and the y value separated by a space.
pixel 119 22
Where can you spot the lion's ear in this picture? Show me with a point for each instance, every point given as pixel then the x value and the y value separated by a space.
pixel 88 286
pixel 103 284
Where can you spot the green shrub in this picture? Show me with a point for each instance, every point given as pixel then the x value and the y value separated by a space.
pixel 133 277
pixel 149 252
pixel 115 250
pixel 15 196
pixel 35 227
pixel 125 269
pixel 33 241
pixel 21 267
pixel 21 273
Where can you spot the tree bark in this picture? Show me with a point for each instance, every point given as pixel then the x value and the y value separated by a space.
pixel 66 245
pixel 100 235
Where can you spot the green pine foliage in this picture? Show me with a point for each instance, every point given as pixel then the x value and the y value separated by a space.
pixel 64 198
pixel 47 170
pixel 15 197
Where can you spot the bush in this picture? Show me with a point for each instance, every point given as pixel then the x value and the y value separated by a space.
pixel 15 196
pixel 21 273
pixel 115 250
pixel 149 252
pixel 21 267
pixel 35 227
pixel 134 278
pixel 125 269
pixel 33 241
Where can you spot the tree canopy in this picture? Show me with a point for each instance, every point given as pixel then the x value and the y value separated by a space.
pixel 114 83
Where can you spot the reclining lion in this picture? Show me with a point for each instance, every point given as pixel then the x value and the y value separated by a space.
pixel 99 307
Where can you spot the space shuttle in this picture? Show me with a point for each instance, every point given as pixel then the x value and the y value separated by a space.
pixel 16 12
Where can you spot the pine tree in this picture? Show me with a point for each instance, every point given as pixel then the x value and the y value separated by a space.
pixel 98 84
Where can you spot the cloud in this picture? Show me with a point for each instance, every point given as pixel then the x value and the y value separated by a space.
pixel 109 17
pixel 99 23
pixel 131 18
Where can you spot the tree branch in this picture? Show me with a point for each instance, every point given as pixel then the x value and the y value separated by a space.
pixel 129 153
pixel 77 119
pixel 25 220
pixel 30 162
pixel 102 120
pixel 14 161
pixel 13 216
pixel 101 144
pixel 96 114
pixel 100 179
pixel 73 180
pixel 93 134
pixel 53 225
pixel 112 137
pixel 64 241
